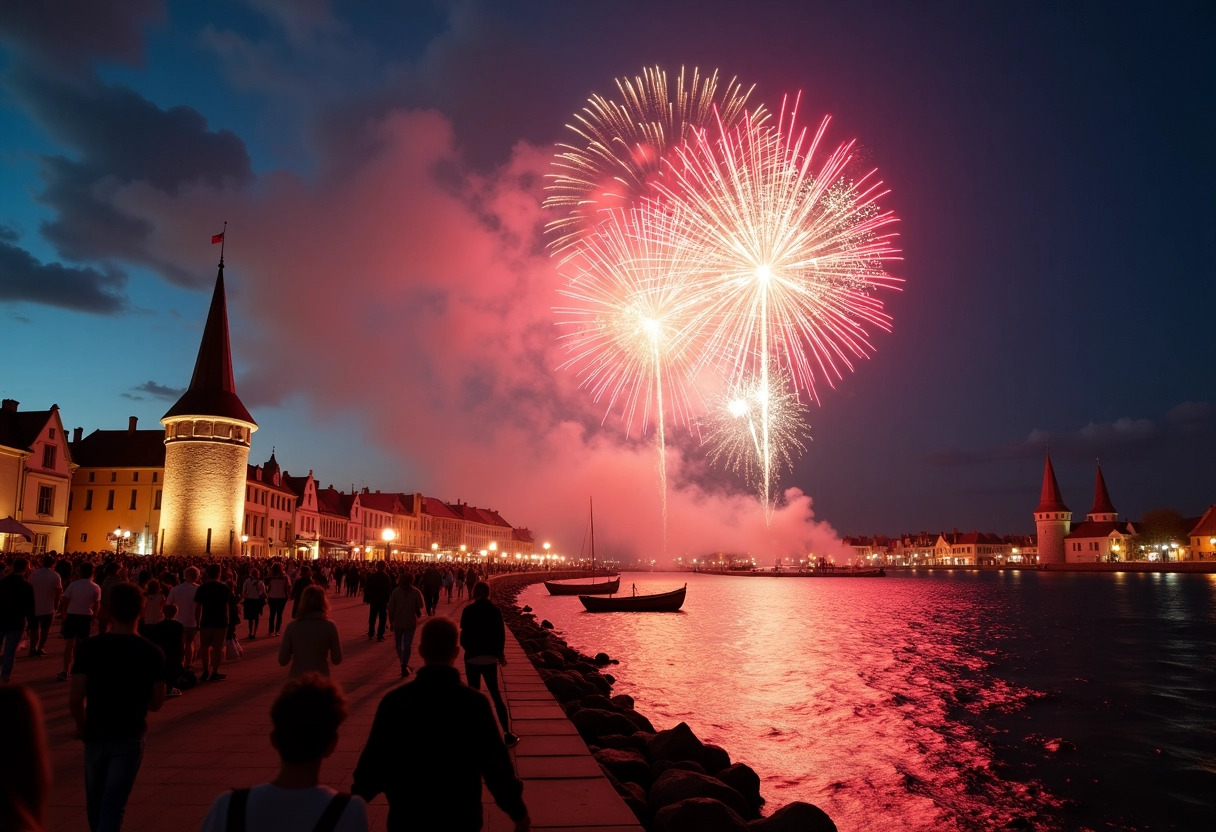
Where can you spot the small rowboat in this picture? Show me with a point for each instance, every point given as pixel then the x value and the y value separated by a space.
pixel 658 602
pixel 606 588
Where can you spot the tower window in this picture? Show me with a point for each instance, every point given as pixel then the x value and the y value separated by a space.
pixel 88 500
pixel 156 505
pixel 92 475
pixel 113 476
pixel 110 501
pixel 134 496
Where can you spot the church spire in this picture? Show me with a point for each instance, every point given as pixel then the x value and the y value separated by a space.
pixel 1102 503
pixel 1050 499
pixel 212 390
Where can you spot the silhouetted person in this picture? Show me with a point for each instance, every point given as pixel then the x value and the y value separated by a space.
pixel 483 635
pixel 117 678
pixel 431 583
pixel 432 742
pixel 25 765
pixel 375 594
pixel 404 609
pixel 305 719
pixel 16 613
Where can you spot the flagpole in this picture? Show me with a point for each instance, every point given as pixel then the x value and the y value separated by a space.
pixel 223 241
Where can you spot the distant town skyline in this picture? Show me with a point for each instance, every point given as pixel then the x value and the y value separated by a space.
pixel 381 170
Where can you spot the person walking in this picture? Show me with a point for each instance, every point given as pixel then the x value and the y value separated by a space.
pixel 375 594
pixel 432 743
pixel 211 615
pixel 48 589
pixel 182 596
pixel 16 613
pixel 254 593
pixel 278 590
pixel 154 604
pixel 305 719
pixel 404 609
pixel 311 641
pixel 301 583
pixel 80 603
pixel 431 582
pixel 167 635
pixel 483 635
pixel 470 580
pixel 116 679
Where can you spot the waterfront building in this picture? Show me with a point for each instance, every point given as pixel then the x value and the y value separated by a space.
pixel 335 521
pixel 1101 537
pixel 382 513
pixel 207 437
pixel 442 528
pixel 116 489
pixel 1203 536
pixel 1052 518
pixel 35 477
pixel 267 530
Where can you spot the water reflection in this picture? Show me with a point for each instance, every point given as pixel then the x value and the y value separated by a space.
pixel 946 700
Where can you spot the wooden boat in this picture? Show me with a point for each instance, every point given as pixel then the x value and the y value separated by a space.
pixel 593 588
pixel 606 588
pixel 655 602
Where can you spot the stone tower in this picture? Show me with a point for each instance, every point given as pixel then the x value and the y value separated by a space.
pixel 1052 518
pixel 207 436
pixel 1103 510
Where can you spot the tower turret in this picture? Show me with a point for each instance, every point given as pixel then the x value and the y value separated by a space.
pixel 1103 510
pixel 1052 518
pixel 207 435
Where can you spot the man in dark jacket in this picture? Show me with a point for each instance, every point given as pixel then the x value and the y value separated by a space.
pixel 16 613
pixel 431 769
pixel 375 594
pixel 431 582
pixel 483 635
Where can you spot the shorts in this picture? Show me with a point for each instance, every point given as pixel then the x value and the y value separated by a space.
pixel 212 636
pixel 77 626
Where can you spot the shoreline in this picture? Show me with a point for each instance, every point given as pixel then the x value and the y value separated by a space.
pixel 668 778
pixel 1186 567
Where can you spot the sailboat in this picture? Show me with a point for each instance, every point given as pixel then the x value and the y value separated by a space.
pixel 593 588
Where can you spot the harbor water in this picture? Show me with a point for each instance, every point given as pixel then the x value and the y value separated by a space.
pixel 937 700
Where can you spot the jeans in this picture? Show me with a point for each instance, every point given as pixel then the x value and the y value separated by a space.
pixel 377 619
pixel 404 639
pixel 277 606
pixel 11 639
pixel 474 673
pixel 109 775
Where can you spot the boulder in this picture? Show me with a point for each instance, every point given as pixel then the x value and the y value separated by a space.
pixel 564 688
pixel 657 767
pixel 611 679
pixel 698 814
pixel 626 765
pixel 678 743
pixel 642 723
pixel 595 700
pixel 527 608
pixel 622 700
pixel 593 724
pixel 714 758
pixel 547 624
pixel 598 683
pixel 602 659
pixel 675 785
pixel 795 817
pixel 551 659
pixel 583 667
pixel 743 779
pixel 622 742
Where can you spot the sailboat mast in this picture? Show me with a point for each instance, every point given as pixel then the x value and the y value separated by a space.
pixel 591 503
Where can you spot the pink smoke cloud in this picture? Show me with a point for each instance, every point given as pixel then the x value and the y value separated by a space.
pixel 421 290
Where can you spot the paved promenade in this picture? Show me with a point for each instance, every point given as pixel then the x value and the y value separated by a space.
pixel 216 737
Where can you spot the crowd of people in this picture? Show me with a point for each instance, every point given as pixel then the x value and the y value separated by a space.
pixel 134 628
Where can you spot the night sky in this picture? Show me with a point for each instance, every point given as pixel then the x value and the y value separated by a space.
pixel 381 169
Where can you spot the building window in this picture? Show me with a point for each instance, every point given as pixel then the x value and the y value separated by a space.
pixel 208 541
pixel 156 505
pixel 84 536
pixel 134 495
pixel 39 544
pixel 46 499
pixel 88 500
pixel 51 433
pixel 110 501
pixel 135 477
pixel 48 456
pixel 113 476
pixel 92 474
pixel 71 494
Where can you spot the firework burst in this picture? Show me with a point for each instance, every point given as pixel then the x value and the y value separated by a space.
pixel 622 143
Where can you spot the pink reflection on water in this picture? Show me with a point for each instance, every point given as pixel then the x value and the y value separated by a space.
pixel 849 694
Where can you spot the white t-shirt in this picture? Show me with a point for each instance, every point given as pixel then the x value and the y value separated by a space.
pixel 183 596
pixel 274 809
pixel 46 582
pixel 82 596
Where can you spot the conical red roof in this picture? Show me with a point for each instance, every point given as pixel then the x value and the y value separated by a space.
pixel 212 391
pixel 1050 499
pixel 1102 503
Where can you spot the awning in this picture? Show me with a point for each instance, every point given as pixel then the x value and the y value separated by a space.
pixel 333 544
pixel 10 526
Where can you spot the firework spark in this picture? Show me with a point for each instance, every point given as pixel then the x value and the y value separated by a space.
pixel 622 143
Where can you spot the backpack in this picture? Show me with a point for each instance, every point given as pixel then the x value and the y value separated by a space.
pixel 328 821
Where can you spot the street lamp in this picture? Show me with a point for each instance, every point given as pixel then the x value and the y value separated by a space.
pixel 388 535
pixel 434 550
pixel 547 544
pixel 463 549
pixel 494 548
pixel 244 540
pixel 119 537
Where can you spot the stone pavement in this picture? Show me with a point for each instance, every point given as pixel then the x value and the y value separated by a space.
pixel 216 737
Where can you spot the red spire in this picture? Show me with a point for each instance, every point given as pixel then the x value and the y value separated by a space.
pixel 1050 499
pixel 212 391
pixel 1102 503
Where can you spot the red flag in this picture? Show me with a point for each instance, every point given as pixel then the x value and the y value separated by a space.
pixel 217 238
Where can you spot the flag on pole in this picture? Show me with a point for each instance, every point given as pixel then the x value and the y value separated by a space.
pixel 217 238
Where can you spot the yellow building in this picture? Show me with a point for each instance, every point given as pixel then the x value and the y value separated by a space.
pixel 1203 536
pixel 116 490
pixel 35 477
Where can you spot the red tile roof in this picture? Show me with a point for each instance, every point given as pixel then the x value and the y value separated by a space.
pixel 20 429
pixel 1206 525
pixel 1093 528
pixel 1050 499
pixel 1102 503
pixel 438 508
pixel 376 501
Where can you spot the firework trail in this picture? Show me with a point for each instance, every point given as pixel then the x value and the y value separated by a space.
pixel 791 251
pixel 622 144
pixel 630 326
